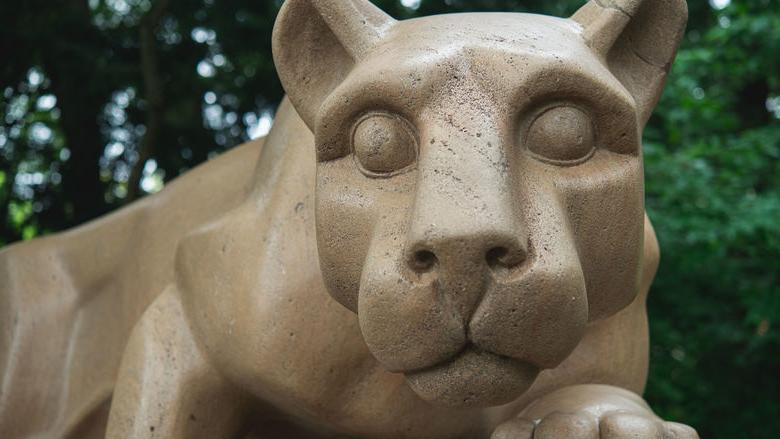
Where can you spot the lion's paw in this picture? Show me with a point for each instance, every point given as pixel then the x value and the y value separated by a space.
pixel 584 425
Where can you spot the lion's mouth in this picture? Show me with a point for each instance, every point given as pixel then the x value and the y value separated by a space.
pixel 473 378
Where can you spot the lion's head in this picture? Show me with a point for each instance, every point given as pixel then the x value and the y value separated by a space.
pixel 479 178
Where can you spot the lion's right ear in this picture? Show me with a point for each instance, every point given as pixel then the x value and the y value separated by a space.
pixel 638 39
pixel 317 42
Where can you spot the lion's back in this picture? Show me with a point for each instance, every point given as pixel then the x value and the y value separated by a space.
pixel 69 301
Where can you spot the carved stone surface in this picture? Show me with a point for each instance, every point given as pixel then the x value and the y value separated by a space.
pixel 472 198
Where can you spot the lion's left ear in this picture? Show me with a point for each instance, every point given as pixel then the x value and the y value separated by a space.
pixel 638 39
pixel 317 42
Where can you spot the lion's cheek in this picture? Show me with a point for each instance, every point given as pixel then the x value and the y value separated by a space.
pixel 342 248
pixel 409 329
pixel 352 216
pixel 538 319
pixel 609 244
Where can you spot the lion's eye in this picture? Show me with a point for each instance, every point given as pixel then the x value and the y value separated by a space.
pixel 561 135
pixel 384 143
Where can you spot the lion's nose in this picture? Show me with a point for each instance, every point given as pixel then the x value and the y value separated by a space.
pixel 458 267
pixel 467 253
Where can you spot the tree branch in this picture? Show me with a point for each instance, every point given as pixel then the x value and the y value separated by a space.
pixel 153 94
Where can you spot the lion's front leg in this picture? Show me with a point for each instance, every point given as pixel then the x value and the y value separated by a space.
pixel 166 388
pixel 591 411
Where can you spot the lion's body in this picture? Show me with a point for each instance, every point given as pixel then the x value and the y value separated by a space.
pixel 70 302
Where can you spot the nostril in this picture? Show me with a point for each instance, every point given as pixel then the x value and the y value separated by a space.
pixel 496 256
pixel 424 260
pixel 502 257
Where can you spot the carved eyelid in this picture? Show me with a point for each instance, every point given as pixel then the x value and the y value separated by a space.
pixel 538 111
pixel 404 123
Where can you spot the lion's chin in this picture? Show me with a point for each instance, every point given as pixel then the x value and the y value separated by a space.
pixel 473 379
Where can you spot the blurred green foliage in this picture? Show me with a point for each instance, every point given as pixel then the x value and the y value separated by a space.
pixel 80 90
pixel 712 154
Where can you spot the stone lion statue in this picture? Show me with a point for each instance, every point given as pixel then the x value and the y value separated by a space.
pixel 443 236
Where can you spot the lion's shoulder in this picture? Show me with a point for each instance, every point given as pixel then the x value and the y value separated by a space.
pixel 68 301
